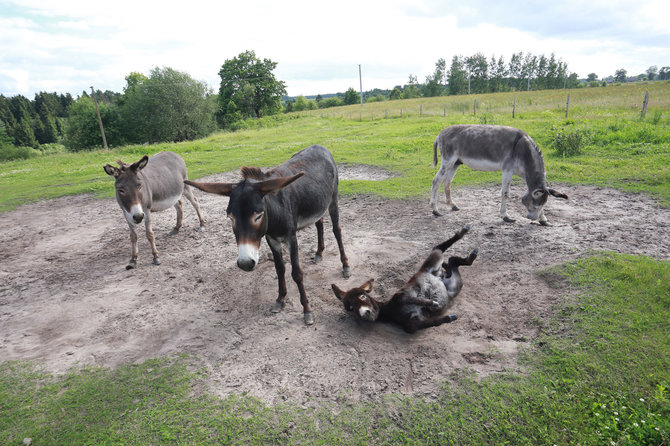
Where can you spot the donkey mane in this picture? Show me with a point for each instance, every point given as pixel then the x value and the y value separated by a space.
pixel 255 173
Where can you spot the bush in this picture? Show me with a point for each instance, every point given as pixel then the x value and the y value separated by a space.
pixel 8 153
pixel 569 141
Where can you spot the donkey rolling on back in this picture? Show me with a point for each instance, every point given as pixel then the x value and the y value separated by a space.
pixel 420 303
pixel 278 203
pixel 492 148
pixel 151 185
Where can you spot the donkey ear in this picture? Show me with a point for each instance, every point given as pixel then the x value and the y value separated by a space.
pixel 213 188
pixel 275 184
pixel 141 164
pixel 111 170
pixel 558 194
pixel 338 292
pixel 367 286
pixel 537 193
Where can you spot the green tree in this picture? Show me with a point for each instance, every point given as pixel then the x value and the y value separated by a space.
pixel 652 72
pixel 457 76
pixel 82 131
pixel 351 96
pixel 169 105
pixel 22 130
pixel 395 94
pixel 591 77
pixel 620 75
pixel 250 84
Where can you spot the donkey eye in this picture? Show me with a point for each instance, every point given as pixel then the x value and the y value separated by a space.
pixel 258 216
pixel 121 191
pixel 363 297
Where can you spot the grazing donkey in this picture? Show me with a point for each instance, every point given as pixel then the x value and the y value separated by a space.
pixel 420 303
pixel 492 148
pixel 270 204
pixel 151 185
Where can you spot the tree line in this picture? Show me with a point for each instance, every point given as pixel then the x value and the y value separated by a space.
pixel 169 105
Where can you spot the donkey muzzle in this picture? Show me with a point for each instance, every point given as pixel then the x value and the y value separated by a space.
pixel 247 256
pixel 137 218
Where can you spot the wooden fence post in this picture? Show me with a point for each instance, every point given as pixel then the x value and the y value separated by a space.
pixel 386 113
pixel 444 111
pixel 514 108
pixel 420 109
pixel 567 106
pixel 644 104
pixel 474 108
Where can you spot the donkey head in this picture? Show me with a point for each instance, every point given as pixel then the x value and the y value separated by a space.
pixel 535 200
pixel 359 301
pixel 247 212
pixel 129 188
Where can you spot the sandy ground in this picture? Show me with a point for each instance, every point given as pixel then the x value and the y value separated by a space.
pixel 66 298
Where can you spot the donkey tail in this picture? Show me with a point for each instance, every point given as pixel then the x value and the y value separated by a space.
pixel 435 153
pixel 459 235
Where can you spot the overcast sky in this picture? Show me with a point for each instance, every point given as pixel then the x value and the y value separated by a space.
pixel 69 45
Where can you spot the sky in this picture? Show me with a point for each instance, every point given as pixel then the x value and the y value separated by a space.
pixel 71 45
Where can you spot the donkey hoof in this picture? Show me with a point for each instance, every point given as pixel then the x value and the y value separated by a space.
pixel 317 258
pixel 201 229
pixel 507 219
pixel 276 307
pixel 308 317
pixel 455 208
pixel 346 272
pixel 131 265
pixel 157 261
pixel 473 254
pixel 544 223
pixel 174 231
pixel 452 317
pixel 437 213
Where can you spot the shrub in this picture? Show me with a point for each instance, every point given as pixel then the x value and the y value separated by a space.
pixel 8 153
pixel 569 141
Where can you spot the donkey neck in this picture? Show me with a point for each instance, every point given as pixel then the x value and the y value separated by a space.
pixel 533 166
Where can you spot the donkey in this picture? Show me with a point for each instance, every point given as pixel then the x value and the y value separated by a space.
pixel 493 148
pixel 420 303
pixel 270 204
pixel 151 185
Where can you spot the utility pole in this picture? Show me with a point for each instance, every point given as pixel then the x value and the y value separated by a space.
pixel 360 80
pixel 97 111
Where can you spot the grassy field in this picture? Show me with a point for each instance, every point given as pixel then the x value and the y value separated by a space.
pixel 618 148
pixel 598 374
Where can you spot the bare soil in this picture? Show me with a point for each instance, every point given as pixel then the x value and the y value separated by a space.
pixel 66 298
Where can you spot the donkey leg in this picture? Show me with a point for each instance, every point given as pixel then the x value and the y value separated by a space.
pixel 506 181
pixel 188 193
pixel 296 273
pixel 437 181
pixel 337 231
pixel 180 215
pixel 414 324
pixel 457 236
pixel 278 258
pixel 320 244
pixel 151 237
pixel 133 246
pixel 447 186
pixel 452 277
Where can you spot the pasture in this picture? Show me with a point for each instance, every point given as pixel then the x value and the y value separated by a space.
pixel 562 330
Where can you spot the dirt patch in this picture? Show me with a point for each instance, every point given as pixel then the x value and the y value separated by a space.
pixel 66 298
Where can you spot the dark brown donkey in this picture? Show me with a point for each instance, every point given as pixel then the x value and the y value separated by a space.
pixel 420 303
pixel 275 205
pixel 151 185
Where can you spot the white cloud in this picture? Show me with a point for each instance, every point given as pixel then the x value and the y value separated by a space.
pixel 68 46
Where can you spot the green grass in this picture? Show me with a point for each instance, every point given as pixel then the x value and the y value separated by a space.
pixel 598 375
pixel 623 152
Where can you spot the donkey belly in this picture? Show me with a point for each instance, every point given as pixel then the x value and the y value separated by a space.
pixel 164 203
pixel 486 165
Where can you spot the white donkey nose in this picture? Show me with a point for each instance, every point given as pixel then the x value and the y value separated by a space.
pixel 247 256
